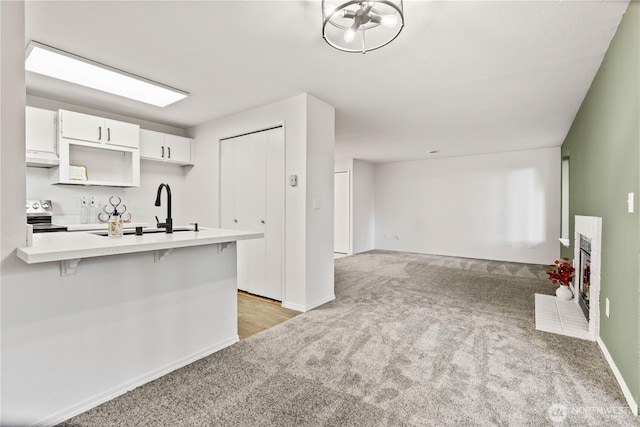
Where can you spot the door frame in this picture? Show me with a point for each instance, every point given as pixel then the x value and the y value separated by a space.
pixel 350 219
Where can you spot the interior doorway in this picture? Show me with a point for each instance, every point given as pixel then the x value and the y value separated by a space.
pixel 342 213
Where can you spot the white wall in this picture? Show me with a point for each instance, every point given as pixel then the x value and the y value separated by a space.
pixel 12 161
pixel 502 206
pixel 342 165
pixel 363 206
pixel 301 140
pixel 320 121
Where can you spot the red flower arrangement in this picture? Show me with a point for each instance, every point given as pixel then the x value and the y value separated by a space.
pixel 561 272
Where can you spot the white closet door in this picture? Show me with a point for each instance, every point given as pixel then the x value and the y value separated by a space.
pixel 341 213
pixel 252 188
pixel 250 176
pixel 250 202
pixel 274 231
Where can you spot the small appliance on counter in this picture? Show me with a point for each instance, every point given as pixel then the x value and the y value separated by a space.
pixel 39 213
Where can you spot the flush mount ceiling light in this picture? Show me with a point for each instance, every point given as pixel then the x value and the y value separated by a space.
pixel 52 62
pixel 361 26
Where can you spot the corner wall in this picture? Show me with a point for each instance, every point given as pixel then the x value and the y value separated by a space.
pixel 361 203
pixel 12 159
pixel 363 213
pixel 604 166
pixel 503 206
pixel 309 141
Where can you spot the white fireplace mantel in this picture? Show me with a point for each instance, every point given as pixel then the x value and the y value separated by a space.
pixel 566 317
pixel 591 228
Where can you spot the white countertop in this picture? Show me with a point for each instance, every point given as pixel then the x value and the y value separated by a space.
pixel 67 246
pixel 101 226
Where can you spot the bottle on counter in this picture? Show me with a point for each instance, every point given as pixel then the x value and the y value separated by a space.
pixel 93 214
pixel 115 224
pixel 84 211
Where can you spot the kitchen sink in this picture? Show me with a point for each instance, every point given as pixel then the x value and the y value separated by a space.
pixel 131 231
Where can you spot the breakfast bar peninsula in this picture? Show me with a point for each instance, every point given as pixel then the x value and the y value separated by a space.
pixel 118 312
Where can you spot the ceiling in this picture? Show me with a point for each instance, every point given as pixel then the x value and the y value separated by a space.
pixel 463 77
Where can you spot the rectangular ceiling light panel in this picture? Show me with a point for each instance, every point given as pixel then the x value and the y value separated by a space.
pixel 65 66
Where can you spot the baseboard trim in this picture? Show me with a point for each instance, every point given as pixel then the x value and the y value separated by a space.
pixel 305 308
pixel 294 306
pixel 130 385
pixel 321 301
pixel 633 405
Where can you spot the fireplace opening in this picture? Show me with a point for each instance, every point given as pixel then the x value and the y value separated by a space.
pixel 584 277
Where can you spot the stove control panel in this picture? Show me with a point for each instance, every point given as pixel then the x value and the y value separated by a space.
pixel 39 208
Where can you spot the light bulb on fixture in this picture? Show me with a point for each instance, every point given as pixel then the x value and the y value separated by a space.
pixel 349 35
pixel 389 21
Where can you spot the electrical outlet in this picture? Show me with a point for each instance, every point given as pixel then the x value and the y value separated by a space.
pixel 606 307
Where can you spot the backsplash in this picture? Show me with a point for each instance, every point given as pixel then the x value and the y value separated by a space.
pixel 67 199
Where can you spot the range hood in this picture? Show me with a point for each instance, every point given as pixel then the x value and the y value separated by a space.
pixel 42 159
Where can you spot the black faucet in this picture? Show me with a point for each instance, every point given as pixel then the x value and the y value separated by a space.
pixel 168 225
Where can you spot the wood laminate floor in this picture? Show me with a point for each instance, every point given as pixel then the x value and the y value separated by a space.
pixel 255 314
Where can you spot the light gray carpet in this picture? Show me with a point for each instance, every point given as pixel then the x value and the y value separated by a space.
pixel 411 339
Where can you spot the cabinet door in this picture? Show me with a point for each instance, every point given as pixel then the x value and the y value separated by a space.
pixel 40 131
pixel 178 149
pixel 151 145
pixel 122 133
pixel 82 127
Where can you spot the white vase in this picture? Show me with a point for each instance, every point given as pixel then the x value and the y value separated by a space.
pixel 564 292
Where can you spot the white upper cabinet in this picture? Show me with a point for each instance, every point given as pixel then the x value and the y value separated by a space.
pixel 40 137
pixel 178 149
pixel 97 151
pixel 121 133
pixel 84 127
pixel 165 147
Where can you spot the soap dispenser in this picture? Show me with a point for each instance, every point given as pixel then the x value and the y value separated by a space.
pixel 115 224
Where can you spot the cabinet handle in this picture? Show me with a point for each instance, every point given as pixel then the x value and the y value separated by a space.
pixel 108 134
pixel 162 155
pixel 262 221
pixel 99 133
pixel 169 151
pixel 235 220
